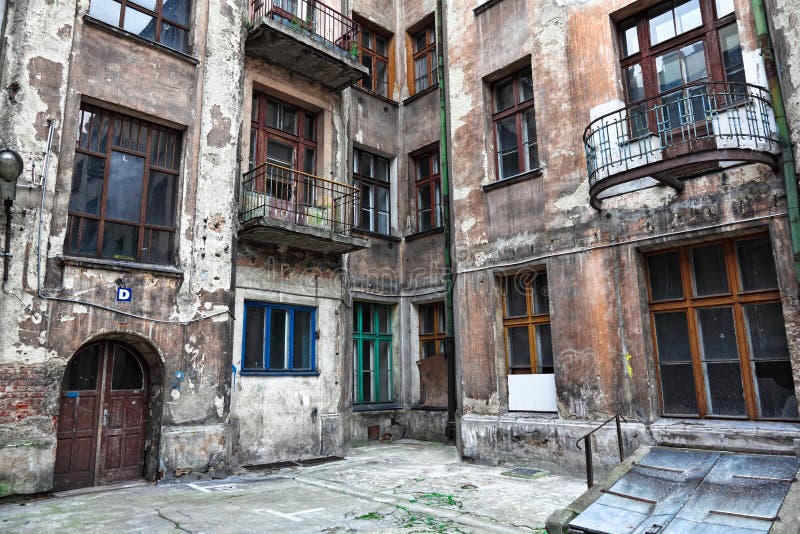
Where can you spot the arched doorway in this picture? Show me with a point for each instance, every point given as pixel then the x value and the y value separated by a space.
pixel 102 419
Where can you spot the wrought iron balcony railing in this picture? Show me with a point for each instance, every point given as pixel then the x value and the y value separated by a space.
pixel 689 131
pixel 311 18
pixel 282 194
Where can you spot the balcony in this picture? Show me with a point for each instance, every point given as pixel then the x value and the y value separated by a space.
pixel 283 206
pixel 307 37
pixel 697 129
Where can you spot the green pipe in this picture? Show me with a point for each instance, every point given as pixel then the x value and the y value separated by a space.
pixel 444 171
pixel 789 169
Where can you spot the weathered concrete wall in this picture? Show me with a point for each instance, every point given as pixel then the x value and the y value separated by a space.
pixel 783 18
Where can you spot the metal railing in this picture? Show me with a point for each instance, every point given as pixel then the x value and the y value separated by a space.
pixel 733 119
pixel 311 18
pixel 276 192
pixel 587 446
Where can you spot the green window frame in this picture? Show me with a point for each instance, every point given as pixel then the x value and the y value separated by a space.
pixel 372 353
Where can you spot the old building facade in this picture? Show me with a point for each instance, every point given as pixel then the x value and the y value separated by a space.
pixel 229 240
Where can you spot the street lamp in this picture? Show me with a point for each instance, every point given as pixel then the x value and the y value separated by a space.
pixel 10 170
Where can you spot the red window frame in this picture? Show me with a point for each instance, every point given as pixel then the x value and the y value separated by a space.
pixel 518 109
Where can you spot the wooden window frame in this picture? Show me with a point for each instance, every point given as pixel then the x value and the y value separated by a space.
pixel 439 336
pixel 153 130
pixel 708 33
pixel 736 298
pixel 375 183
pixel 158 16
pixel 531 320
pixel 265 355
pixel 363 50
pixel 264 132
pixel 427 27
pixel 433 154
pixel 517 110
pixel 359 337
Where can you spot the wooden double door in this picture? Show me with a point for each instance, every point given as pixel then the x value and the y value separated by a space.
pixel 102 418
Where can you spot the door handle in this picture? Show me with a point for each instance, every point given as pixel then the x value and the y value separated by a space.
pixel 105 417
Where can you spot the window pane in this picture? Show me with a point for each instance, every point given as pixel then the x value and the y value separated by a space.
pixel 424 198
pixel 147 4
pixel 382 169
pixel 672 337
pixel 289 122
pixel 140 24
pixel 775 387
pixel 677 390
pixel 421 74
pixel 630 40
pixel 310 127
pixel 665 276
pixel 724 389
pixel 724 7
pixel 766 331
pixel 124 195
pixel 157 247
pixel 423 167
pixel 384 319
pixel 694 62
pixel 420 42
pixel 366 38
pixel 161 201
pixel 120 242
pixel 381 45
pixel 381 78
pixel 383 198
pixel 427 319
pixel 87 184
pixel 385 370
pixel 382 223
pixel 525 86
pixel 708 268
pixel 367 318
pixel 428 349
pixel 83 236
pixel 273 114
pixel 634 82
pixel 366 166
pixel 177 11
pixel 717 334
pixel 541 294
pixel 105 10
pixel 687 16
pixel 81 371
pixel 529 139
pixel 756 266
pixel 668 68
pixel 302 340
pixel 366 376
pixel 367 62
pixel 503 94
pixel 519 350
pixel 507 134
pixel 280 153
pixel 515 297
pixel 662 25
pixel 126 373
pixel 732 54
pixel 174 37
pixel 544 349
pixel 278 337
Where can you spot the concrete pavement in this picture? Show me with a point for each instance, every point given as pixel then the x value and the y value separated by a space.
pixel 405 486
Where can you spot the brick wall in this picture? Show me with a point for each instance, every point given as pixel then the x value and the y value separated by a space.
pixel 22 392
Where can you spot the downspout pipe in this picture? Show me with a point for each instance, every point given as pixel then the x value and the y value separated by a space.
pixel 789 168
pixel 444 172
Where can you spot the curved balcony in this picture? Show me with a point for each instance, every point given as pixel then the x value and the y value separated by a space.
pixel 694 130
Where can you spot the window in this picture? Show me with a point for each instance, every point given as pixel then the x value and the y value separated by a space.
pixel 124 188
pixel 162 21
pixel 373 52
pixel 526 321
pixel 675 44
pixel 719 334
pixel 279 339
pixel 515 125
pixel 372 353
pixel 371 176
pixel 282 134
pixel 429 190
pixel 431 329
pixel 424 58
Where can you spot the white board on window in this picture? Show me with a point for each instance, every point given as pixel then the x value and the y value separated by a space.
pixel 532 393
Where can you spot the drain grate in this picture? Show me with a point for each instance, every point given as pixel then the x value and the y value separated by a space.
pixel 525 472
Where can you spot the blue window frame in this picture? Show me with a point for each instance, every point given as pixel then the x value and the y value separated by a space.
pixel 278 339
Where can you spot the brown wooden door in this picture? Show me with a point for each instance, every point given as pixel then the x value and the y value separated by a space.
pixel 102 418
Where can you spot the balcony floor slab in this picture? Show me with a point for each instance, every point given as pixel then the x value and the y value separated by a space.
pixel 261 230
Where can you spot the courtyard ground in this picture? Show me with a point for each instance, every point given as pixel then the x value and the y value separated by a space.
pixel 406 486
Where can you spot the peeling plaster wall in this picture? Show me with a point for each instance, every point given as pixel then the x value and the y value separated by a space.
pixel 593 259
pixel 47 80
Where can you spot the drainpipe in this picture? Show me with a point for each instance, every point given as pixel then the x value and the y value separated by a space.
pixel 450 350
pixel 789 169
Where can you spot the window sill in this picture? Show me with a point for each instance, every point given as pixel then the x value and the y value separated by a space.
pixel 415 96
pixel 124 266
pixel 376 95
pixel 244 372
pixel 133 37
pixel 375 407
pixel 426 233
pixel 484 6
pixel 524 177
pixel 376 235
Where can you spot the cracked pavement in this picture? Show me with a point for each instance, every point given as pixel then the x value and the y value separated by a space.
pixel 405 486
